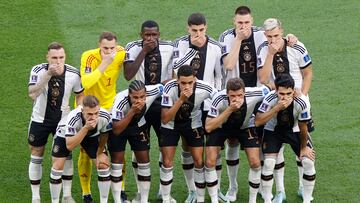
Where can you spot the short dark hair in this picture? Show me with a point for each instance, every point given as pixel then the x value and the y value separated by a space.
pixel 136 85
pixel 185 71
pixel 55 45
pixel 235 84
pixel 149 24
pixel 90 101
pixel 242 10
pixel 196 19
pixel 284 80
pixel 108 36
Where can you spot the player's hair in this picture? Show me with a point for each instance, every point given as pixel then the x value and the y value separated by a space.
pixel 284 80
pixel 149 24
pixel 185 71
pixel 271 23
pixel 90 101
pixel 196 19
pixel 242 10
pixel 235 84
pixel 136 85
pixel 55 45
pixel 108 36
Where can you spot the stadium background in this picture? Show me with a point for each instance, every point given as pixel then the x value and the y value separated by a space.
pixel 329 29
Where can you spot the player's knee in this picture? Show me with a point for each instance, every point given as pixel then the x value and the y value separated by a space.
pixel 198 163
pixel 37 151
pixel 254 162
pixel 117 157
pixel 269 164
pixel 167 163
pixel 233 141
pixel 308 165
pixel 58 164
pixel 210 163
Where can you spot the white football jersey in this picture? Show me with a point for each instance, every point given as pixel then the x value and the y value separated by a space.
pixel 53 103
pixel 253 95
pixel 300 111
pixel 166 48
pixel 297 56
pixel 202 91
pixel 122 106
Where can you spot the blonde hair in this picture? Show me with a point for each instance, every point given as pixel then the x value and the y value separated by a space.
pixel 271 23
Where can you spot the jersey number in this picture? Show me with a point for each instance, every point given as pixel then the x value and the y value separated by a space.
pixel 153 78
pixel 249 69
pixel 109 82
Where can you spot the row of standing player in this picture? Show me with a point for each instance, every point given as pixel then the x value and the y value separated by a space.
pixel 147 59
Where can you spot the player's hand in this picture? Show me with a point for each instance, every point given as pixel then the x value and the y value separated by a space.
pixel 243 33
pixel 185 94
pixel 150 45
pixel 102 161
pixel 291 39
pixel 138 106
pixel 108 58
pixel 198 41
pixel 274 47
pixel 284 103
pixel 54 69
pixel 307 152
pixel 90 124
pixel 236 104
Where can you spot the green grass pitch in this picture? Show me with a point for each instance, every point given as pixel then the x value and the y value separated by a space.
pixel 329 29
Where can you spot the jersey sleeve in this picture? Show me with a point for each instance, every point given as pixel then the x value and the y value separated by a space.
pixel 104 121
pixel 78 88
pixel 261 54
pixel 36 74
pixel 70 127
pixel 118 111
pixel 304 59
pixel 265 105
pixel 304 114
pixel 89 73
pixel 167 100
pixel 225 43
pixel 184 57
pixel 215 104
pixel 132 51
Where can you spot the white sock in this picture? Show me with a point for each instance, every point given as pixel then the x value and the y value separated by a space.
pixel 279 171
pixel 300 171
pixel 104 184
pixel 267 178
pixel 254 182
pixel 212 184
pixel 135 170
pixel 35 174
pixel 166 178
pixel 67 176
pixel 199 177
pixel 116 181
pixel 308 178
pixel 160 165
pixel 218 168
pixel 144 178
pixel 55 185
pixel 232 161
pixel 188 168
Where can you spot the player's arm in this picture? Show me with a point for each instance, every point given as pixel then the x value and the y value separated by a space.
pixel 264 72
pixel 213 123
pixel 230 60
pixel 263 117
pixel 132 67
pixel 307 74
pixel 36 89
pixel 103 138
pixel 79 98
pixel 120 125
pixel 185 60
pixel 304 149
pixel 167 114
pixel 75 140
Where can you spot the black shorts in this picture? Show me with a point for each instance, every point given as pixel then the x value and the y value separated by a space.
pixel 246 137
pixel 39 133
pixel 137 137
pixel 59 148
pixel 193 137
pixel 153 117
pixel 273 140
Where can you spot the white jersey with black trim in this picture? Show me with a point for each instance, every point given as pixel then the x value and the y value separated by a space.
pixel 75 121
pixel 183 55
pixel 227 39
pixel 166 48
pixel 298 57
pixel 122 106
pixel 71 83
pixel 253 95
pixel 203 91
pixel 301 110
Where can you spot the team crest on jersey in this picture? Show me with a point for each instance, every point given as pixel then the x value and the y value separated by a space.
pixel 247 56
pixel 56 148
pixel 213 111
pixel 119 115
pixel 264 107
pixel 304 115
pixel 165 100
pixel 307 58
pixel 71 130
pixel 87 69
pixel 280 68
pixel 34 78
pixel 176 54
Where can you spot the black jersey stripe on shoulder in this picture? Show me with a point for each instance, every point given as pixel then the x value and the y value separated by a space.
pixel 264 44
pixel 212 41
pixel 170 85
pixel 105 115
pixel 301 102
pixel 72 69
pixel 271 97
pixel 153 91
pixel 185 58
pixel 132 44
pixel 254 93
pixel 38 68
pixel 122 103
pixel 74 119
pixel 226 33
pixel 204 86
pixel 219 99
pixel 299 48
pixel 164 42
pixel 183 38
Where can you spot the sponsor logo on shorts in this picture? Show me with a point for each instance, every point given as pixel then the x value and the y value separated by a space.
pixel 31 137
pixel 56 148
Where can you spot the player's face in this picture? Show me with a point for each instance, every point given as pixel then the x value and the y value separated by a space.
pixel 197 30
pixel 186 82
pixel 138 96
pixel 91 113
pixel 56 56
pixel 274 35
pixel 107 46
pixel 236 95
pixel 243 21
pixel 285 93
pixel 150 34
